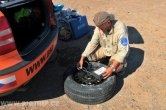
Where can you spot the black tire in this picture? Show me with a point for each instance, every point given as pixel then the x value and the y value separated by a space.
pixel 89 94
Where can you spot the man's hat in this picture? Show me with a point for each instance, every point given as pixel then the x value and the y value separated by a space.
pixel 101 17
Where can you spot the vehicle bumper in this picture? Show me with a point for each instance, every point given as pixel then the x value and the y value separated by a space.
pixel 21 73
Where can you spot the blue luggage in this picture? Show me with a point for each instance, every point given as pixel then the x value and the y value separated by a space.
pixel 79 26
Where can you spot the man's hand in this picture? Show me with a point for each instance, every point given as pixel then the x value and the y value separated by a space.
pixel 81 62
pixel 108 72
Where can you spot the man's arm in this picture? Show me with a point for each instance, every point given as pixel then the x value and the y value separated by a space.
pixel 93 44
pixel 123 49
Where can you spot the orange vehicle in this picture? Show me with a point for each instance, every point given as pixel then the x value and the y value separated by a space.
pixel 28 36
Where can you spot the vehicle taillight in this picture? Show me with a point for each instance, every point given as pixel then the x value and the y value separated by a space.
pixel 7 43
pixel 51 12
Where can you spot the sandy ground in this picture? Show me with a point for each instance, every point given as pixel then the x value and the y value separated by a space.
pixel 144 85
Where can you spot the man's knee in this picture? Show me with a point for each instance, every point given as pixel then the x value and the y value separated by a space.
pixel 92 57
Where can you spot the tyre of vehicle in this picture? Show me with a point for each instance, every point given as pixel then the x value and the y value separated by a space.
pixel 89 94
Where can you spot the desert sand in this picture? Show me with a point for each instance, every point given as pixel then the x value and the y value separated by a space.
pixel 144 85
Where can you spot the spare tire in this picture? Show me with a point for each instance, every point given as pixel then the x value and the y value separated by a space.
pixel 89 94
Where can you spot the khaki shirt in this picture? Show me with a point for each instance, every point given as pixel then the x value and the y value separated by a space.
pixel 114 44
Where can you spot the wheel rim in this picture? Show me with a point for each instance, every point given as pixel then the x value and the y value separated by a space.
pixel 84 76
pixel 86 79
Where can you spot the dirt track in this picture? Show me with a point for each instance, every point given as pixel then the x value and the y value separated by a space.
pixel 144 85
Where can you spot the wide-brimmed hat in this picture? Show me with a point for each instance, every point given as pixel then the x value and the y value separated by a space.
pixel 101 17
